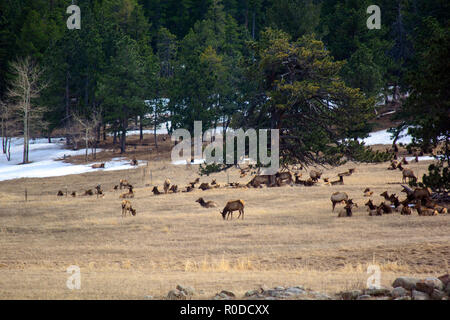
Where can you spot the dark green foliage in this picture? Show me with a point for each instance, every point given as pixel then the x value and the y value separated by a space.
pixel 438 178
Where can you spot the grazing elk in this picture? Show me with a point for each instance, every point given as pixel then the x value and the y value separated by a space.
pixel 338 197
pixel 166 185
pixel 127 207
pixel 99 191
pixel 206 204
pixel 236 205
pixel 407 174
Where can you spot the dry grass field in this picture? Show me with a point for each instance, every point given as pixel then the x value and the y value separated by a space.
pixel 289 236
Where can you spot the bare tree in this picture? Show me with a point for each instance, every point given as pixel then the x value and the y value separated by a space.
pixel 88 129
pixel 7 128
pixel 24 88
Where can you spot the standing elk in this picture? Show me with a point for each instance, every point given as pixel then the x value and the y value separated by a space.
pixel 126 207
pixel 338 197
pixel 166 185
pixel 236 205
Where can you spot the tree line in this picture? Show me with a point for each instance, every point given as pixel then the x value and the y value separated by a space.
pixel 310 68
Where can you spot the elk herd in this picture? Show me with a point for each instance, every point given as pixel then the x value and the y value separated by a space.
pixel 419 199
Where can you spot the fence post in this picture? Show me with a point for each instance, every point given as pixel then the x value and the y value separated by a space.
pixel 26 195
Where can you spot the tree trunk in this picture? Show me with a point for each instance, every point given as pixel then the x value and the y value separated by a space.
pixel 141 127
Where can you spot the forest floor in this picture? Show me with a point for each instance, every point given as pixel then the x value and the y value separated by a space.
pixel 289 236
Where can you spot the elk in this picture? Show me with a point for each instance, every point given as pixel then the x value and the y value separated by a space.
pixel 60 193
pixel 156 191
pixel 367 192
pixel 98 166
pixel 407 174
pixel 129 194
pixel 123 183
pixel 194 183
pixel 73 194
pixel 417 194
pixel 338 197
pixel 127 207
pixel 88 192
pixel 425 211
pixel 116 187
pixel 262 179
pixel 174 188
pixel 338 182
pixel 134 161
pixel 188 189
pixel 99 191
pixel 205 186
pixel 404 161
pixel 385 208
pixel 207 204
pixel 432 205
pixel 315 175
pixel 373 210
pixel 406 211
pixel 385 195
pixel 213 182
pixel 347 210
pixel 166 185
pixel 231 206
pixel 281 176
pixel 394 200
pixel 394 164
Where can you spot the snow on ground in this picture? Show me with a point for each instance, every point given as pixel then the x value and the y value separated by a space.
pixel 44 157
pixel 384 137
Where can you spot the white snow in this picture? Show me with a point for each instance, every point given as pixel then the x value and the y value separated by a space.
pixel 384 137
pixel 45 162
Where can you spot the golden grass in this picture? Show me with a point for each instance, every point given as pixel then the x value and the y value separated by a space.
pixel 289 236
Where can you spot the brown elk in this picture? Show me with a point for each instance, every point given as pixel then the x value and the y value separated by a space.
pixel 231 206
pixel 386 208
pixel 394 164
pixel 166 185
pixel 194 183
pixel 98 166
pixel 60 193
pixel 347 210
pixel 73 194
pixel 206 204
pixel 407 174
pixel 127 207
pixel 425 211
pixel 404 161
pixel 205 186
pixel 123 183
pixel 338 182
pixel 315 175
pixel 213 182
pixel 258 180
pixel 134 161
pixel 174 188
pixel 88 192
pixel 338 197
pixel 373 210
pixel 406 211
pixel 417 194
pixel 189 189
pixel 368 192
pixel 432 205
pixel 385 195
pixel 99 191
pixel 282 176
pixel 156 191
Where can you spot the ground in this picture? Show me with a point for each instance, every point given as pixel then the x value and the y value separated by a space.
pixel 289 236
